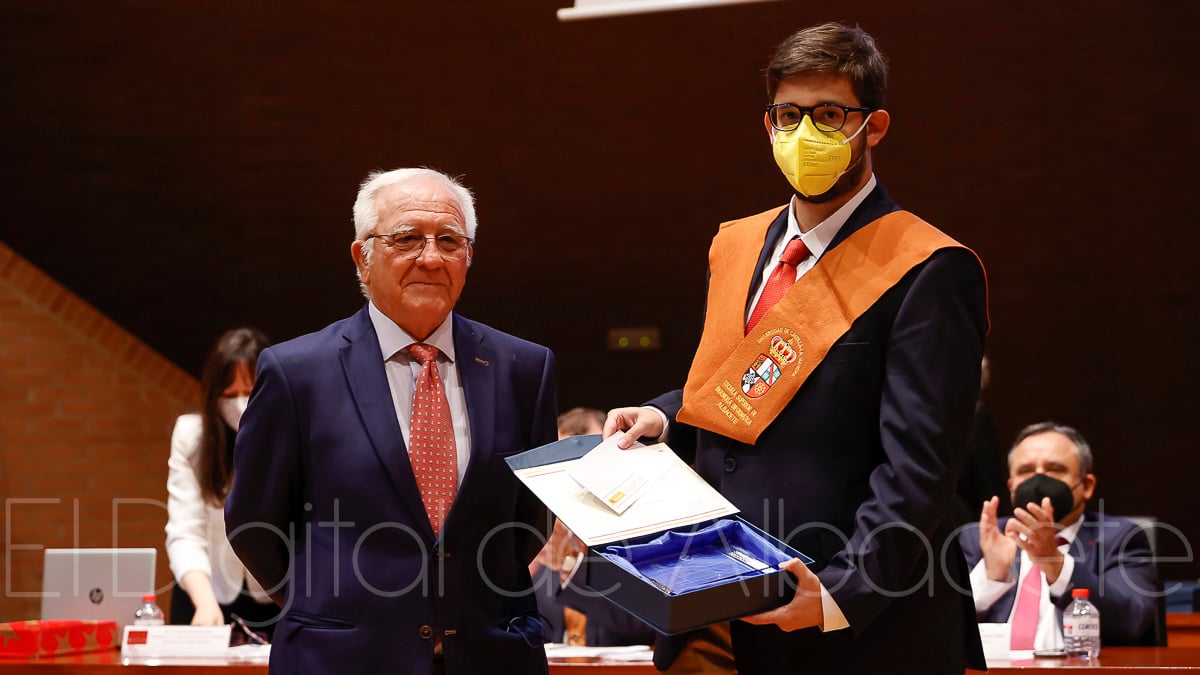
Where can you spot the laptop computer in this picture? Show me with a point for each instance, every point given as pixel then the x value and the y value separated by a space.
pixel 96 583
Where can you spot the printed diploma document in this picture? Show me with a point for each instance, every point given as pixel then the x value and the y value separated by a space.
pixel 666 494
pixel 619 477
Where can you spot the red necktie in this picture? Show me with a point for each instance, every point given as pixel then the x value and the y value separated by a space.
pixel 781 279
pixel 431 447
pixel 1025 616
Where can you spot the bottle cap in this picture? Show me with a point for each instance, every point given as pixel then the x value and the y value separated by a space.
pixel 149 597
pixel 1079 592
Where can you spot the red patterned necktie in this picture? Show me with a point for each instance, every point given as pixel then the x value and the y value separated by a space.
pixel 1025 616
pixel 431 447
pixel 781 279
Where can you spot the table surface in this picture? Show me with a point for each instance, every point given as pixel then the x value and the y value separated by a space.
pixel 1112 661
pixel 1183 620
pixel 108 662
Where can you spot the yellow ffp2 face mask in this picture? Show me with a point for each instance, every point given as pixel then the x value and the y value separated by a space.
pixel 811 159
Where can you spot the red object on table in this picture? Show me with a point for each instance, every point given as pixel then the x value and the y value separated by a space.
pixel 25 639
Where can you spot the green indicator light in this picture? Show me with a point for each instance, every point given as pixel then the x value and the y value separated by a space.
pixel 645 341
pixel 623 342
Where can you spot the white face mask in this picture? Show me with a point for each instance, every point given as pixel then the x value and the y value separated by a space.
pixel 231 409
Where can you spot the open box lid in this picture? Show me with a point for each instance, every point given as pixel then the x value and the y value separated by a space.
pixel 679 497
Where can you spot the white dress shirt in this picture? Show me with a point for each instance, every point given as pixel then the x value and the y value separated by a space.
pixel 816 239
pixel 988 591
pixel 402 370
pixel 195 529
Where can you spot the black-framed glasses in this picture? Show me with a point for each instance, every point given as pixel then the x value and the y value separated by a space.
pixel 408 244
pixel 826 116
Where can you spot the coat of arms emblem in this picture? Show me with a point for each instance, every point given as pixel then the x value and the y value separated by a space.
pixel 767 368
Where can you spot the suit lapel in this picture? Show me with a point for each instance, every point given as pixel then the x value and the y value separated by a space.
pixel 876 205
pixel 362 363
pixel 1085 545
pixel 477 365
pixel 774 232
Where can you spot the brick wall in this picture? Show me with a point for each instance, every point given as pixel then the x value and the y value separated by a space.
pixel 86 412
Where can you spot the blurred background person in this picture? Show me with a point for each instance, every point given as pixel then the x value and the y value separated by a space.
pixel 579 421
pixel 212 583
pixel 577 615
pixel 1025 567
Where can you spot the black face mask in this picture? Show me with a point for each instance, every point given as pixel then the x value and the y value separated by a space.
pixel 1039 485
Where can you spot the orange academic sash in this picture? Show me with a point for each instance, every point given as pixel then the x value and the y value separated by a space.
pixel 739 383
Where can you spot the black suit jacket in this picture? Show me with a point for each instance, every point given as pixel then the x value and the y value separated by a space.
pixel 325 508
pixel 859 470
pixel 1114 562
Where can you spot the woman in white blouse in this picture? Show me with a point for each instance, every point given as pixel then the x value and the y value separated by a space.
pixel 213 584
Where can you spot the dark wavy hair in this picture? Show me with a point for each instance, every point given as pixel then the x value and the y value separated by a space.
pixel 214 460
pixel 832 49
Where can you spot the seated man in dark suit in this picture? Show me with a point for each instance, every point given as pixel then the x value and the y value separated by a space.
pixel 1025 567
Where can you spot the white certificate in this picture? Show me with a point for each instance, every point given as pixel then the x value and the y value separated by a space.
pixel 619 477
pixel 677 497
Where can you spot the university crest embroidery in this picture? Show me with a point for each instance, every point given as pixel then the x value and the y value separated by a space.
pixel 767 368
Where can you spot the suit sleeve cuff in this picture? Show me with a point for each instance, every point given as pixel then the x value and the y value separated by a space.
pixel 832 617
pixel 987 591
pixel 666 423
pixel 1063 582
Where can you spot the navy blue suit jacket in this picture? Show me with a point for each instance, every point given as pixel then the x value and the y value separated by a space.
pixel 607 624
pixel 1114 562
pixel 859 472
pixel 325 508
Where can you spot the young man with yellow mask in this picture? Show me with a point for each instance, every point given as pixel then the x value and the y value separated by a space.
pixel 832 392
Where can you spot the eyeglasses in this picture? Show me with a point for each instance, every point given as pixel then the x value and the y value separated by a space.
pixel 412 244
pixel 826 117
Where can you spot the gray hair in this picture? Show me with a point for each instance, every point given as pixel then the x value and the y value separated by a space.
pixel 366 210
pixel 1081 445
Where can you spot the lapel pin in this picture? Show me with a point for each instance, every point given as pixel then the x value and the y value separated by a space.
pixel 481 361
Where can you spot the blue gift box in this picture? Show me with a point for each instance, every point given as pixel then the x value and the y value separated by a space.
pixel 702 567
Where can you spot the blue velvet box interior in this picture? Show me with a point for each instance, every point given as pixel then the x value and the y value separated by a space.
pixel 685 577
pixel 681 562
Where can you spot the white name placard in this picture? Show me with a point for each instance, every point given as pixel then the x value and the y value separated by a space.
pixel 158 642
pixel 996 638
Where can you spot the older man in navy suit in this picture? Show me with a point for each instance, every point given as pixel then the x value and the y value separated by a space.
pixel 370 491
pixel 1025 567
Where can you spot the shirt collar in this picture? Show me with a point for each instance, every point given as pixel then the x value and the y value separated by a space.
pixel 1071 531
pixel 818 238
pixel 393 338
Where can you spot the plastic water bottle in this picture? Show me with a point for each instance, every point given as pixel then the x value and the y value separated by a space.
pixel 1081 626
pixel 149 614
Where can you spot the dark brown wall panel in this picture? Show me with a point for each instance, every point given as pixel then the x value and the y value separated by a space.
pixel 188 166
